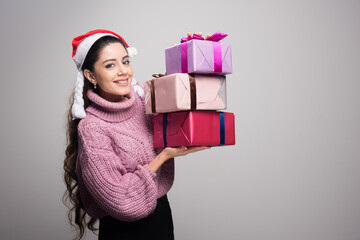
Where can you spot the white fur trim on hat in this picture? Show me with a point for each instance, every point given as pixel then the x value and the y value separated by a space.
pixel 84 47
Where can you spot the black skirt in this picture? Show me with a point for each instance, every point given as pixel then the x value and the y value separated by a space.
pixel 157 226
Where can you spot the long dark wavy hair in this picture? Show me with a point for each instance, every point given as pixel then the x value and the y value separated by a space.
pixel 77 215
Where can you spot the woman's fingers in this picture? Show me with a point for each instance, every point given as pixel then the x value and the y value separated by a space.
pixel 196 149
pixel 208 36
pixel 186 150
pixel 200 34
pixel 182 151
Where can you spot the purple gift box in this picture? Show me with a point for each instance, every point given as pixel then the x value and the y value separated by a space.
pixel 199 56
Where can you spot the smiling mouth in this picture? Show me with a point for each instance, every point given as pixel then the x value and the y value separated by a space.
pixel 122 83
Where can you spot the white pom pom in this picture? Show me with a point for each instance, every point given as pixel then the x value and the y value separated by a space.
pixel 132 51
pixel 137 88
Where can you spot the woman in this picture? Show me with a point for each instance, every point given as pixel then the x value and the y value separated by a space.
pixel 112 171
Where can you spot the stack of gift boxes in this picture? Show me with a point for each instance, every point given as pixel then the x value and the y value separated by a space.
pixel 185 102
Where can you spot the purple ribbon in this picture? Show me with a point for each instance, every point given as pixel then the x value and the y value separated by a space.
pixel 215 38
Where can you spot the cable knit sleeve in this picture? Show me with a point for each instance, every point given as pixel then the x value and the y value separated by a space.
pixel 124 195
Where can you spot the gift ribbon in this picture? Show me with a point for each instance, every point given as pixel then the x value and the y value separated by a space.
pixel 192 92
pixel 222 128
pixel 164 128
pixel 215 38
pixel 192 82
pixel 217 57
pixel 152 90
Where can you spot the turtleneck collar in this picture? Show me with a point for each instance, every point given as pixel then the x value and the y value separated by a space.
pixel 112 111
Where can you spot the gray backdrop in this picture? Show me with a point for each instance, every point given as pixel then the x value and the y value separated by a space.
pixel 294 172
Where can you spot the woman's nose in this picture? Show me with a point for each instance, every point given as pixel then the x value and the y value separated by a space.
pixel 122 70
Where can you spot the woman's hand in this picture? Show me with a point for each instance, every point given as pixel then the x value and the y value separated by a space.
pixel 171 152
pixel 199 33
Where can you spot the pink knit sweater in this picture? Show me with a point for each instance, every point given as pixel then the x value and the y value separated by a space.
pixel 115 146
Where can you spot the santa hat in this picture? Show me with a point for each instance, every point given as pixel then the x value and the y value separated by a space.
pixel 81 46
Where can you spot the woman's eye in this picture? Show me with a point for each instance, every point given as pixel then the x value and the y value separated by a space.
pixel 127 62
pixel 109 65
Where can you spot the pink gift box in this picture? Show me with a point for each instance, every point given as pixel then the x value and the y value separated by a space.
pixel 191 128
pixel 180 92
pixel 199 56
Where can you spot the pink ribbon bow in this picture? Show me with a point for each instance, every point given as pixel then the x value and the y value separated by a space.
pixel 215 37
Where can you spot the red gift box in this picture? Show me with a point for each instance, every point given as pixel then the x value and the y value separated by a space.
pixel 194 128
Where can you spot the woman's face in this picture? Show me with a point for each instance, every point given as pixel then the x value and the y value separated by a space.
pixel 112 72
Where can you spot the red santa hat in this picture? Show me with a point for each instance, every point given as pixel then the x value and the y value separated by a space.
pixel 81 46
